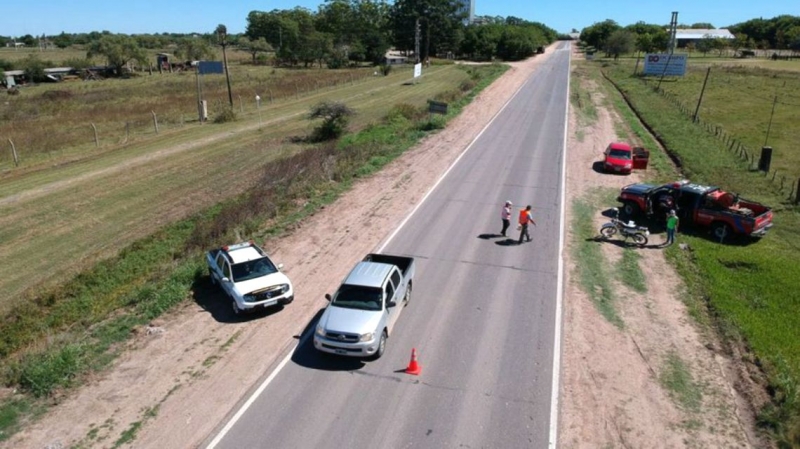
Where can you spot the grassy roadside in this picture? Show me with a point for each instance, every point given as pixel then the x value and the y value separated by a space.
pixel 751 289
pixel 53 342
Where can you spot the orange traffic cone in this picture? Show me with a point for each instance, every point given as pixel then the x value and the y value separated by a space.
pixel 413 366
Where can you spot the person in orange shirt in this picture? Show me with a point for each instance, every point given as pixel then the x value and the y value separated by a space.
pixel 525 218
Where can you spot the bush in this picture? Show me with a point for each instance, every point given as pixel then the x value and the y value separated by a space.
pixel 335 117
pixel 227 115
pixel 386 69
pixel 405 110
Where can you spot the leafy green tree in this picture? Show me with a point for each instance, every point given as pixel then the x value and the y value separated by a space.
pixel 194 49
pixel 793 39
pixel 34 69
pixel 255 46
pixel 118 50
pixel 28 40
pixel 705 45
pixel 620 42
pixel 63 40
pixel 720 45
pixel 702 26
pixel 597 34
pixel 440 25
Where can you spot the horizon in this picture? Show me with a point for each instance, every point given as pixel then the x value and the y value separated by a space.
pixel 148 17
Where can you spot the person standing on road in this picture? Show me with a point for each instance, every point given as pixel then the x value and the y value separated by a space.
pixel 505 215
pixel 672 227
pixel 525 218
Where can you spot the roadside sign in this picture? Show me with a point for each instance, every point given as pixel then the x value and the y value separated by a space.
pixel 417 70
pixel 665 64
pixel 210 67
pixel 437 107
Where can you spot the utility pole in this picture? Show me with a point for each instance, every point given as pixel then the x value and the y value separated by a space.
pixel 673 31
pixel 416 42
pixel 222 33
pixel 772 114
pixel 697 109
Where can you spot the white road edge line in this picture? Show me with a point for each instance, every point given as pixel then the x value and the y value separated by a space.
pixel 288 357
pixel 560 293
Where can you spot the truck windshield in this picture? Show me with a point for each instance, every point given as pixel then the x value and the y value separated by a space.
pixel 252 269
pixel 358 297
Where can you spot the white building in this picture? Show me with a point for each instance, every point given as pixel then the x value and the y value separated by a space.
pixel 683 37
pixel 468 9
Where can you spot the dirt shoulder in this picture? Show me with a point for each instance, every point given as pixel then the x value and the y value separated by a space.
pixel 181 376
pixel 657 380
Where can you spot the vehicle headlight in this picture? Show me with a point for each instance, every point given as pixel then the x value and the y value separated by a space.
pixel 284 288
pixel 320 330
pixel 366 337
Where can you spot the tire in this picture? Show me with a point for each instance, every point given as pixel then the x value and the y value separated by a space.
pixel 640 239
pixel 236 310
pixel 720 231
pixel 608 232
pixel 630 209
pixel 381 346
pixel 407 297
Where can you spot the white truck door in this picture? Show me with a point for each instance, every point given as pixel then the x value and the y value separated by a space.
pixel 396 296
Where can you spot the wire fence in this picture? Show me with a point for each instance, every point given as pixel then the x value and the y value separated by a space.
pixel 783 181
pixel 24 139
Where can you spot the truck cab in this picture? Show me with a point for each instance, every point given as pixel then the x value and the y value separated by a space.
pixel 364 309
pixel 248 277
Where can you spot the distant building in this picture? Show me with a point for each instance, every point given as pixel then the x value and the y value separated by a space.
pixel 684 37
pixel 467 7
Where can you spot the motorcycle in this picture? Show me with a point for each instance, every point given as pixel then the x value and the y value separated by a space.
pixel 625 230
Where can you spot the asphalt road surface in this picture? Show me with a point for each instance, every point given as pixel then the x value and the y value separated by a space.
pixel 482 315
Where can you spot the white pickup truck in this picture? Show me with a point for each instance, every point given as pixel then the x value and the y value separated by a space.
pixel 365 308
pixel 248 277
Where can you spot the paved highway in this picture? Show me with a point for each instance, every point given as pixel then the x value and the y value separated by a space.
pixel 483 314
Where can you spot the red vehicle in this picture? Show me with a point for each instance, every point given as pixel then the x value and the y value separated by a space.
pixel 698 206
pixel 618 158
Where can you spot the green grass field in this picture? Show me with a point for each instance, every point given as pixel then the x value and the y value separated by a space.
pixel 120 193
pixel 751 288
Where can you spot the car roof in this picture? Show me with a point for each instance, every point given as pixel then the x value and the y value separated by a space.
pixel 620 146
pixel 245 254
pixel 368 274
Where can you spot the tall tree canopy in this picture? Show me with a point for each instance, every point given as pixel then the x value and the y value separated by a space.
pixel 118 50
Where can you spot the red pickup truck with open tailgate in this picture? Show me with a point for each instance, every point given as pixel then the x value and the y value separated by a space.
pixel 699 206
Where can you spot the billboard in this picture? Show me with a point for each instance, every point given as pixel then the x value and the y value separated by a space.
pixel 665 64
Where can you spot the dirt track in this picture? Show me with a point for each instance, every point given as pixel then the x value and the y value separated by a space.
pixel 191 368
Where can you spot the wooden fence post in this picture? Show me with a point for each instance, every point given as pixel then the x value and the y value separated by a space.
pixel 14 152
pixel 241 105
pixel 797 193
pixel 155 121
pixel 96 139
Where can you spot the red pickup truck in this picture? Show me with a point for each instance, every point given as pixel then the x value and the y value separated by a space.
pixel 698 206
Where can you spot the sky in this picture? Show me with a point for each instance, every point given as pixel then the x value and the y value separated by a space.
pixel 50 17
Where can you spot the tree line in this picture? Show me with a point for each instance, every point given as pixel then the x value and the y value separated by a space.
pixel 781 33
pixel 339 33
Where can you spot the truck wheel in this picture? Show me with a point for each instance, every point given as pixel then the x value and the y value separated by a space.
pixel 236 310
pixel 381 346
pixel 721 230
pixel 630 209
